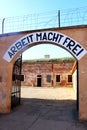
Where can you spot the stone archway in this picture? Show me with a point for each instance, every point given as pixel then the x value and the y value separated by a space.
pixel 17 43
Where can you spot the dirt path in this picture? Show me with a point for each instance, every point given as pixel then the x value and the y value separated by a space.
pixel 48 93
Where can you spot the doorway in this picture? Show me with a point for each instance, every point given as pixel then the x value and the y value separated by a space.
pixel 39 79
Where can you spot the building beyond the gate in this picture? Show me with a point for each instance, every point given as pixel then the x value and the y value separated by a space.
pixel 48 72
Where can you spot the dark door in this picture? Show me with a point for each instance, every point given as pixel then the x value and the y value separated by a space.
pixel 39 82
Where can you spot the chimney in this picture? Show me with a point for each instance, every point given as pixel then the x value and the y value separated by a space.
pixel 46 56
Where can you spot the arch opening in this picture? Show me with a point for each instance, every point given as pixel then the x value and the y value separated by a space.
pixel 39 74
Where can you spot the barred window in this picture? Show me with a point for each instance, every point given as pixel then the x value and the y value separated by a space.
pixel 48 78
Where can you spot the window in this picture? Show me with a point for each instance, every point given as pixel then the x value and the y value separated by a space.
pixel 69 78
pixel 57 78
pixel 48 78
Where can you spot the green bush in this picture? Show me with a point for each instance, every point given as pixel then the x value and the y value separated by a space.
pixel 64 59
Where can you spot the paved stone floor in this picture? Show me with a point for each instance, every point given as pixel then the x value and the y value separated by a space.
pixel 41 112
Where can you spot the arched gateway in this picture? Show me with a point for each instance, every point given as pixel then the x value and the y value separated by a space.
pixel 73 39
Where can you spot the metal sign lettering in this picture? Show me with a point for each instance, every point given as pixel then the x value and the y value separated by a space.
pixel 47 36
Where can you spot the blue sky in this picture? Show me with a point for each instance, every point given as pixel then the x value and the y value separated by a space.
pixel 12 8
pixel 23 7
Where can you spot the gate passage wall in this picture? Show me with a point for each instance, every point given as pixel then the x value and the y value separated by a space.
pixel 73 39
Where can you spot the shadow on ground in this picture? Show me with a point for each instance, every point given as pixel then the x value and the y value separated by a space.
pixel 50 109
pixel 40 114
